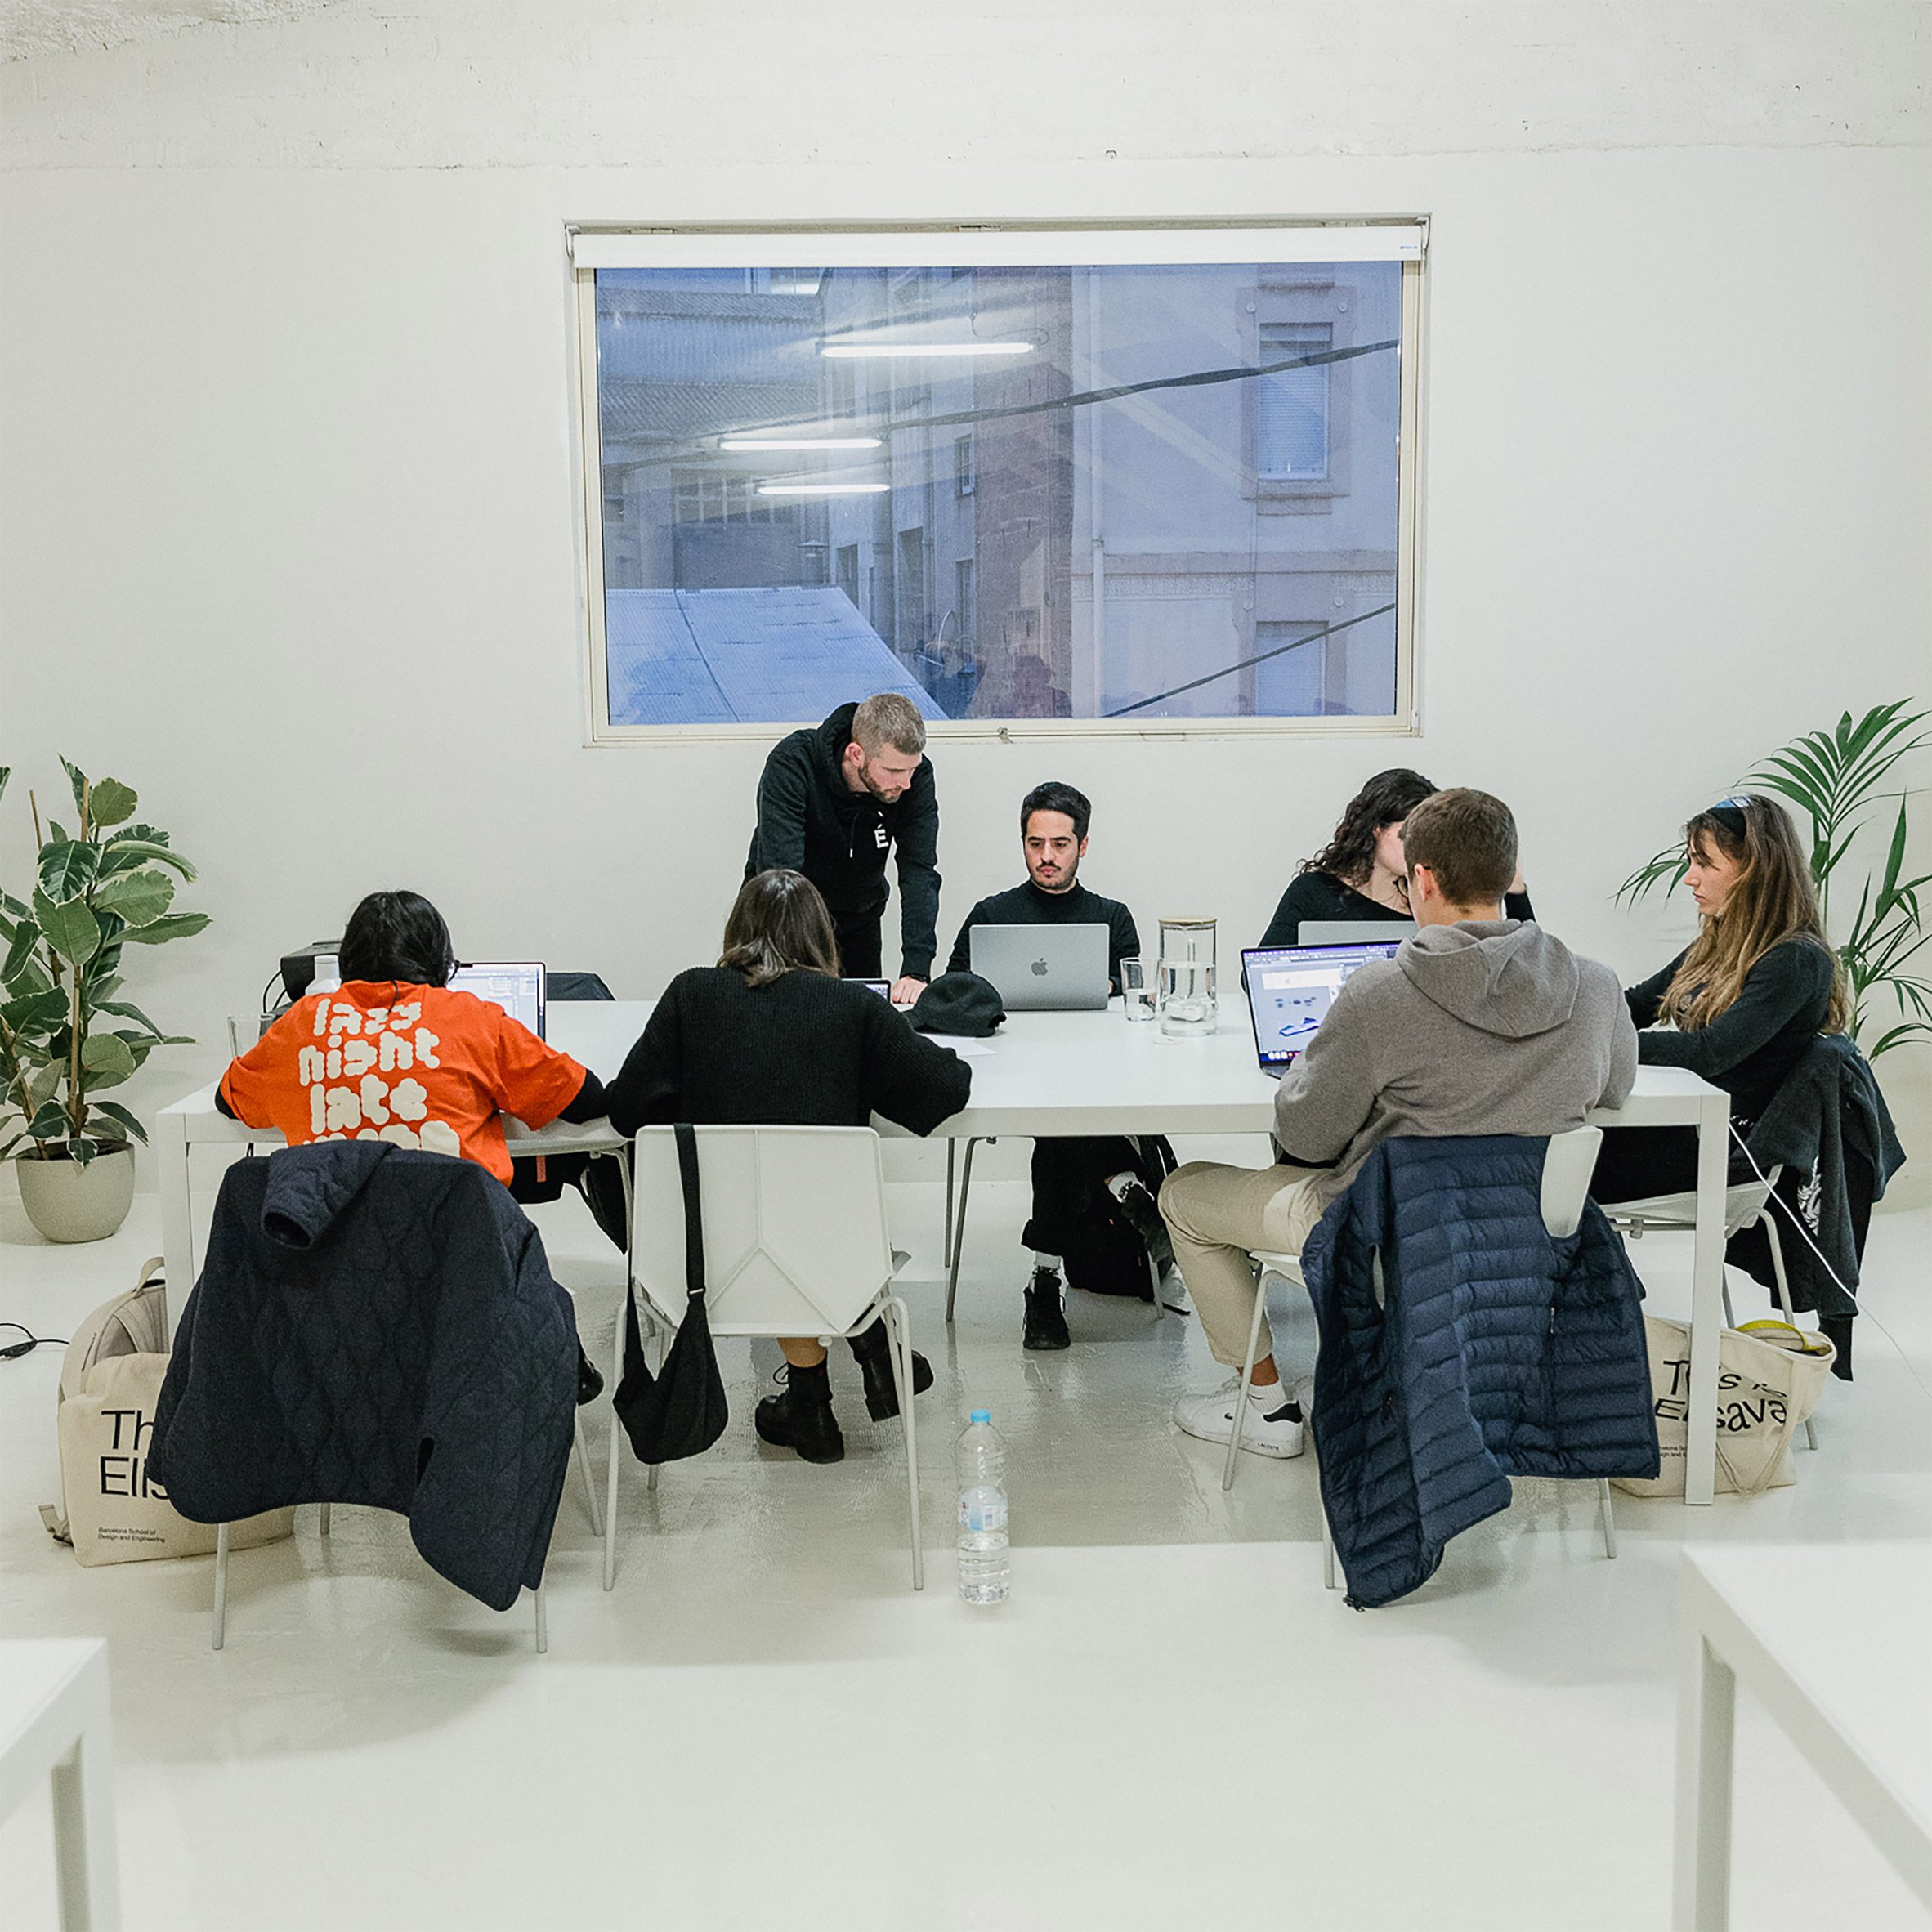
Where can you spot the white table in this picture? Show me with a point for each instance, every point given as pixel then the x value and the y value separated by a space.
pixel 53 1723
pixel 1830 1640
pixel 1045 1074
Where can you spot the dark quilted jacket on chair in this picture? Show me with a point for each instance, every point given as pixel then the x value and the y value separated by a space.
pixel 1495 1350
pixel 377 1326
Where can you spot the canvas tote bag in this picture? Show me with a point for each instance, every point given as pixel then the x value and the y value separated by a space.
pixel 1769 1376
pixel 109 1510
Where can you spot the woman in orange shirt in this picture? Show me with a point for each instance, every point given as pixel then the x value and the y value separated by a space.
pixel 393 1054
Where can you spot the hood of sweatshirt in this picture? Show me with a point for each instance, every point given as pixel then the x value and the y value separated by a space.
pixel 831 741
pixel 311 1187
pixel 1503 976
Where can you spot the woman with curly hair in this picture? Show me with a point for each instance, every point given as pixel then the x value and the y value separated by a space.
pixel 1361 873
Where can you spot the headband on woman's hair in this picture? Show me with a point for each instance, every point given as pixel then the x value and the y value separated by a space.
pixel 1729 813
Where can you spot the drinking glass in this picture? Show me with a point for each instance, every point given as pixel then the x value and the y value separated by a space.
pixel 1137 996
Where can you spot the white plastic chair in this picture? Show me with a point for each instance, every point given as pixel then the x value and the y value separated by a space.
pixel 795 1244
pixel 219 1632
pixel 1746 1204
pixel 1567 1164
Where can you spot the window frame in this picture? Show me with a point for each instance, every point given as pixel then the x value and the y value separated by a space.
pixel 961 246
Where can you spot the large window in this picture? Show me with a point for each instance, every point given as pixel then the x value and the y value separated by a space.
pixel 1036 479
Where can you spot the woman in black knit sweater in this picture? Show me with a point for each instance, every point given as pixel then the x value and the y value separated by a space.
pixel 1742 1003
pixel 772 1036
pixel 1360 874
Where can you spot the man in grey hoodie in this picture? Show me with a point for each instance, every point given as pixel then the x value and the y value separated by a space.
pixel 1479 1025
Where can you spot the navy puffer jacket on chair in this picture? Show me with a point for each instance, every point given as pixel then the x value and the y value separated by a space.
pixel 1493 1349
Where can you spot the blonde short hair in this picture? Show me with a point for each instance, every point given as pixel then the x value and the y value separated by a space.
pixel 888 719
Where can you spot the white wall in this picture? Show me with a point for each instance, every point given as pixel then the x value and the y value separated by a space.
pixel 286 534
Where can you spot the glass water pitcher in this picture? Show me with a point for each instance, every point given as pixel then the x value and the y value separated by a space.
pixel 1187 1005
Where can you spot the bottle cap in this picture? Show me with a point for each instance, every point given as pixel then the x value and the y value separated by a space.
pixel 981 1416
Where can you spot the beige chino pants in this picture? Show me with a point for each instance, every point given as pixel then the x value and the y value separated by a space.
pixel 1215 1215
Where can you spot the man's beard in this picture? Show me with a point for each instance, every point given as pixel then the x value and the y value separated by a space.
pixel 1062 882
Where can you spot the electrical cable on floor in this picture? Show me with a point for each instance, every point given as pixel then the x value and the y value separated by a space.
pixel 15 1350
pixel 1773 1199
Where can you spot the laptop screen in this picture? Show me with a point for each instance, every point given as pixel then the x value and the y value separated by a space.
pixel 518 989
pixel 1290 989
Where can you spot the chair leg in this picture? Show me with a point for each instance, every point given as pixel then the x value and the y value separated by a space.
pixel 1608 1515
pixel 219 1632
pixel 945 1257
pixel 542 1620
pixel 1328 1581
pixel 1784 1295
pixel 615 1457
pixel 664 1349
pixel 590 1487
pixel 1240 1395
pixel 324 1518
pixel 952 1278
pixel 899 1334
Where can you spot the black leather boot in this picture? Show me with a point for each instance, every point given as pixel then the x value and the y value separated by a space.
pixel 873 1352
pixel 1045 1325
pixel 801 1417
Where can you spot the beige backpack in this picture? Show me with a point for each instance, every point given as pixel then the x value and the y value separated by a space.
pixel 110 1510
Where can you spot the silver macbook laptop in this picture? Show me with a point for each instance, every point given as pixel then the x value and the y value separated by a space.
pixel 1290 989
pixel 521 989
pixel 1042 969
pixel 1352 932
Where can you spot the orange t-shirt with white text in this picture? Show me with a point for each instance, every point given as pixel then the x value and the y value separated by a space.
pixel 420 1065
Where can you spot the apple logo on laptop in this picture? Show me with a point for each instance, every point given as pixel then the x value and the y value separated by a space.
pixel 1039 967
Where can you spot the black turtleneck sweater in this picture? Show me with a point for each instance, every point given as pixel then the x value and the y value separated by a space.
pixel 1028 905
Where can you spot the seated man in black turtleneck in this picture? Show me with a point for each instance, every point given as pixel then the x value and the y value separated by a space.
pixel 1053 820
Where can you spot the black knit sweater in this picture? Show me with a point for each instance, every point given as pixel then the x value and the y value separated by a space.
pixel 1321 896
pixel 1756 1041
pixel 805 1051
pixel 1028 905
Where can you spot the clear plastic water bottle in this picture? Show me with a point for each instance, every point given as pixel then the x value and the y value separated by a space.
pixel 980 1460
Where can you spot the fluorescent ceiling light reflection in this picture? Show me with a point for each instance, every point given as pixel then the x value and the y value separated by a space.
pixel 847 350
pixel 798 442
pixel 822 489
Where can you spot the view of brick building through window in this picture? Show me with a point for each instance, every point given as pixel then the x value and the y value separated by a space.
pixel 1011 492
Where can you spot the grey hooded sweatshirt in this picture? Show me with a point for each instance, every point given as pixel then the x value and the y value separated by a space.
pixel 1490 1026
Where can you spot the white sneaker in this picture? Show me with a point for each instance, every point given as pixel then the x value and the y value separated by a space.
pixel 1209 1418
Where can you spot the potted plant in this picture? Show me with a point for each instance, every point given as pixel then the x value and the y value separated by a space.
pixel 66 1035
pixel 1834 777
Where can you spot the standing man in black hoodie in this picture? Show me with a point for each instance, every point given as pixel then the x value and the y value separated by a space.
pixel 833 799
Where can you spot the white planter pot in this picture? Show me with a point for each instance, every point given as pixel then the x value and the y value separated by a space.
pixel 68 1202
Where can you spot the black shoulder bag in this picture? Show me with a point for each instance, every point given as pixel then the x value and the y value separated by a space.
pixel 681 1410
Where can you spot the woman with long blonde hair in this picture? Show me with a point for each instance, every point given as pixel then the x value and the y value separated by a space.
pixel 1742 1003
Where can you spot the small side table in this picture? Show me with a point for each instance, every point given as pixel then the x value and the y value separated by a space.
pixel 1853 1691
pixel 54 1722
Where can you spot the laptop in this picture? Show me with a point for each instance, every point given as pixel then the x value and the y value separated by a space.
pixel 1352 932
pixel 882 987
pixel 1042 968
pixel 522 989
pixel 1290 989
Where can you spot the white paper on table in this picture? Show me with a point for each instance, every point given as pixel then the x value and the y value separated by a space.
pixel 966 1047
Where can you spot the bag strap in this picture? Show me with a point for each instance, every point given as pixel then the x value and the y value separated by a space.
pixel 694 1220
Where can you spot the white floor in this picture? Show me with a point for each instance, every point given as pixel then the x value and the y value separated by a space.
pixel 1171 1724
